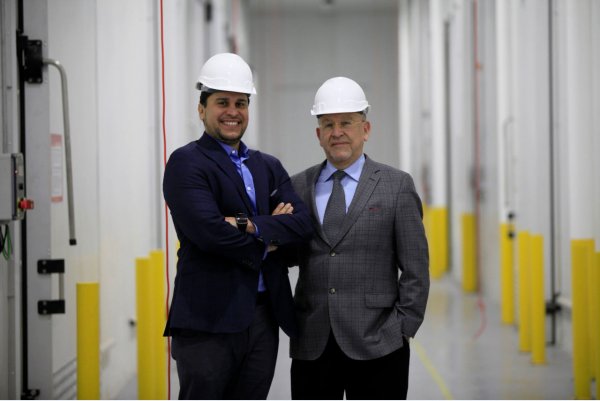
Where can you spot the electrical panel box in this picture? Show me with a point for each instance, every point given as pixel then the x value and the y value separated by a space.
pixel 7 203
pixel 12 187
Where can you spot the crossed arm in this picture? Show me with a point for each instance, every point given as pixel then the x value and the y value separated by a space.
pixel 282 208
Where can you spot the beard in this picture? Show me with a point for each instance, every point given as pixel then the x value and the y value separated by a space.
pixel 230 139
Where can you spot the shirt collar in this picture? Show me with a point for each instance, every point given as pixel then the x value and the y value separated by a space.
pixel 242 153
pixel 353 170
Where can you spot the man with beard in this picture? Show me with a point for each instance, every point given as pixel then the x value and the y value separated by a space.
pixel 232 208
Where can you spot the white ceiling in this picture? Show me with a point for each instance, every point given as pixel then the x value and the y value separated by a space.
pixel 322 5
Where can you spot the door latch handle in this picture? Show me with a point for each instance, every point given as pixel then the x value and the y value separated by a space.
pixel 67 128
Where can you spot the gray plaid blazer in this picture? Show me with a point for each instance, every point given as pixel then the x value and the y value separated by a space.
pixel 369 286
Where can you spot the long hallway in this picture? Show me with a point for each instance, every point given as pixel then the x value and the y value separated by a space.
pixel 490 106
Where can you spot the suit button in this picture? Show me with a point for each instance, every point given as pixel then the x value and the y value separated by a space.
pixel 332 291
pixel 332 253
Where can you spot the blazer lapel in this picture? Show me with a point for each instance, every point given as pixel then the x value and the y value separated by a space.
pixel 367 182
pixel 215 152
pixel 311 181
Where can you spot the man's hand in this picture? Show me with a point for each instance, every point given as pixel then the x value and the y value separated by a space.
pixel 281 208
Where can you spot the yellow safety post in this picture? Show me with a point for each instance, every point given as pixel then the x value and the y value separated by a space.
pixel 581 261
pixel 596 319
pixel 150 325
pixel 538 303
pixel 594 324
pixel 426 218
pixel 157 260
pixel 88 341
pixel 469 278
pixel 507 284
pixel 144 327
pixel 438 241
pixel 524 260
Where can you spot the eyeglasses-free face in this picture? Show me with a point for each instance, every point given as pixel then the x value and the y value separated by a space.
pixel 225 116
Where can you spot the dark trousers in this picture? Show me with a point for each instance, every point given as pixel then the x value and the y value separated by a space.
pixel 228 366
pixel 333 373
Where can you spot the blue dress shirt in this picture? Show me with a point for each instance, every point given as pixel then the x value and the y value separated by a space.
pixel 238 157
pixel 324 184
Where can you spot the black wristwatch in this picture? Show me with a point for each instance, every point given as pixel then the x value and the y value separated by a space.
pixel 242 221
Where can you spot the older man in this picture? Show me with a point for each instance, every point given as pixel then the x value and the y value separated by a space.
pixel 364 277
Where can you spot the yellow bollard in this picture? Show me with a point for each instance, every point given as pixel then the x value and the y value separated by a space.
pixel 150 325
pixel 88 341
pixel 438 241
pixel 538 303
pixel 469 278
pixel 144 327
pixel 441 222
pixel 507 304
pixel 524 259
pixel 157 260
pixel 596 319
pixel 581 260
pixel 593 325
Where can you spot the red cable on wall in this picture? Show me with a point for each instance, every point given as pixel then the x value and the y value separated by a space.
pixel 164 136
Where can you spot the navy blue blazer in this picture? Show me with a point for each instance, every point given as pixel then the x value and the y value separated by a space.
pixel 218 266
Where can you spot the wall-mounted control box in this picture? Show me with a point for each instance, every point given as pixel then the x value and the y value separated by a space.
pixel 12 188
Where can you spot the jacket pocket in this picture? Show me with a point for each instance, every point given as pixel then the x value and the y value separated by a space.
pixel 380 300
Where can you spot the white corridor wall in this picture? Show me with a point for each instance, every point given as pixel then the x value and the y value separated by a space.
pixel 111 51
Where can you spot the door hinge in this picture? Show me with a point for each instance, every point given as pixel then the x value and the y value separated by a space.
pixel 30 394
pixel 52 306
pixel 32 60
pixel 49 266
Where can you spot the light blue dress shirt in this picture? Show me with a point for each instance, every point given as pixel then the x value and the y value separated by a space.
pixel 324 184
pixel 238 158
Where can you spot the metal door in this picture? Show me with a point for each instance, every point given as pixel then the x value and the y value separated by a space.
pixel 27 301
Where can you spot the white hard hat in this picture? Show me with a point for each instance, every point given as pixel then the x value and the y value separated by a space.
pixel 226 72
pixel 339 95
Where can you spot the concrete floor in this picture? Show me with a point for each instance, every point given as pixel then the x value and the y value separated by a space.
pixel 458 353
